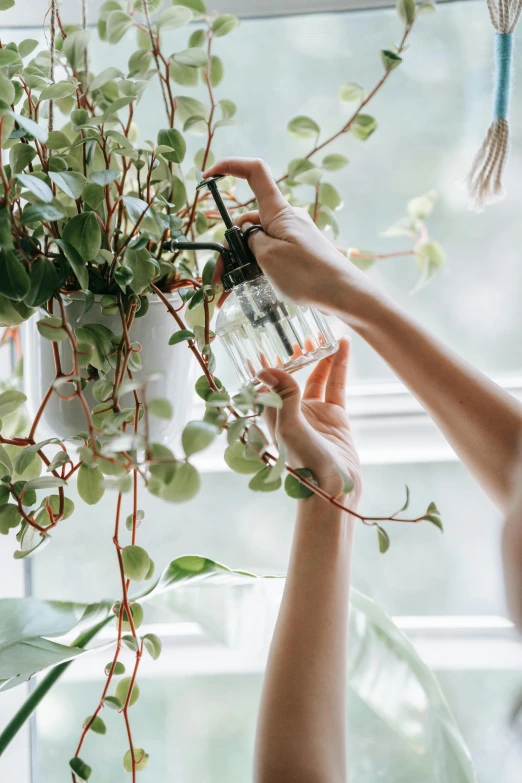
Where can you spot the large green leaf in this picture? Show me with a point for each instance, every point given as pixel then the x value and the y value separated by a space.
pixel 27 626
pixel 83 233
pixel 384 668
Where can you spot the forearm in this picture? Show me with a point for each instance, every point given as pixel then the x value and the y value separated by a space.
pixel 480 420
pixel 301 733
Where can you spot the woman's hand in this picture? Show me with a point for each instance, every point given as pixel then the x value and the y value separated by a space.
pixel 316 429
pixel 292 251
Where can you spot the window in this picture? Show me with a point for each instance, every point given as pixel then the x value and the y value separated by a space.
pixel 446 591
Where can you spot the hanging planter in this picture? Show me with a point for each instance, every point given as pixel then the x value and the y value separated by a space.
pixel 171 367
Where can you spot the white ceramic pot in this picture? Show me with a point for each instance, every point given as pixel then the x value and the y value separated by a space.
pixel 63 418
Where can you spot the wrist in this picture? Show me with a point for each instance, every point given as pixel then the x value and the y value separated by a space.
pixel 358 301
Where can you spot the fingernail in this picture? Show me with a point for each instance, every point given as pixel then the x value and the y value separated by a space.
pixel 266 377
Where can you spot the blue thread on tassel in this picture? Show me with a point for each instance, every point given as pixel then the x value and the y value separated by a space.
pixel 503 59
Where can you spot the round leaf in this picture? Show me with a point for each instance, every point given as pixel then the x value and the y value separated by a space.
pixel 90 484
pixel 122 690
pixel 197 435
pixel 136 562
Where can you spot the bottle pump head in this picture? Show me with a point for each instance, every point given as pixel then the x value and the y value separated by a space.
pixel 240 263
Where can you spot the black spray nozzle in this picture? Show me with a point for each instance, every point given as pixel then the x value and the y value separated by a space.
pixel 240 263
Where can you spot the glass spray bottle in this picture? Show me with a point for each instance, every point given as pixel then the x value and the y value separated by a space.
pixel 258 327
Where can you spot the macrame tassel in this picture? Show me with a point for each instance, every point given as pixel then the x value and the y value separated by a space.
pixel 484 181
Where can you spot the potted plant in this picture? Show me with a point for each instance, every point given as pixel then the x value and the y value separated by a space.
pixel 113 321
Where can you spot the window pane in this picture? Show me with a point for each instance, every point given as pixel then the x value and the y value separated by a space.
pixel 202 729
pixel 432 115
pixel 424 572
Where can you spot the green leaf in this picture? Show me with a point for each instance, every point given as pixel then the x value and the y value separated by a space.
pixel 173 138
pixel 111 701
pixel 107 75
pixel 189 107
pixel 435 520
pixel 52 329
pixel 123 276
pixel 295 488
pixel 143 268
pixel 216 70
pixel 329 196
pixel 83 233
pixel 224 24
pixel 363 126
pixel 43 282
pixel 10 517
pixel 421 207
pixel 100 337
pixel 304 127
pixel 7 468
pixel 57 90
pixel 174 18
pixel 117 670
pixel 334 162
pixel 430 258
pixel 8 57
pixel 29 125
pixel 161 408
pixel 183 486
pixel 74 48
pixel 71 182
pixel 136 562
pixel 7 89
pixel 152 644
pixel 20 156
pixel 5 4
pixel 180 336
pixel 141 759
pixel 406 10
pixel 104 177
pixel 91 486
pixel 78 265
pixel 44 482
pixel 36 186
pixel 26 46
pixel 384 540
pixel 390 60
pixel 196 5
pixel 228 108
pixel 37 212
pixel 262 482
pixel 117 24
pixel 197 435
pixel 10 401
pixel 195 57
pixel 80 768
pixel 14 280
pixel 351 92
pixel 97 725
pixel 236 460
pixel 122 691
pixel 58 140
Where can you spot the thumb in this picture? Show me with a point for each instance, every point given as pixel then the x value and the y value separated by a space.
pixel 283 384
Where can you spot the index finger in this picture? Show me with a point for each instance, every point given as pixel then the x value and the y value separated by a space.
pixel 268 196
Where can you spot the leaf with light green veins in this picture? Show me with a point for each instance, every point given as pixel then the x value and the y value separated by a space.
pixel 91 486
pixel 36 186
pixel 71 182
pixel 107 75
pixel 197 435
pixel 304 127
pixel 117 24
pixel 143 267
pixel 104 177
pixel 43 282
pixel 14 280
pixel 195 57
pixel 390 60
pixel 136 562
